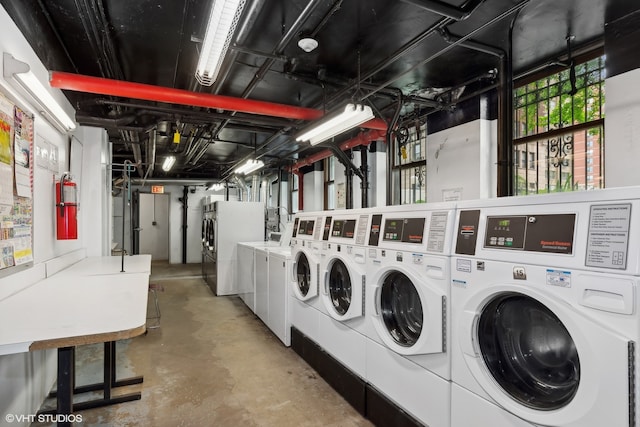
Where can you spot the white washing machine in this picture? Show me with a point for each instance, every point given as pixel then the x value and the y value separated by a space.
pixel 305 266
pixel 246 273
pixel 279 295
pixel 408 359
pixel 545 310
pixel 342 288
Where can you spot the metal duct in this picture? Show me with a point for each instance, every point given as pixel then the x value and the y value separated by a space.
pixel 255 188
pixel 243 192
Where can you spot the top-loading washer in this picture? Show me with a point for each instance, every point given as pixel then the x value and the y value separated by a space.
pixel 342 288
pixel 305 266
pixel 408 359
pixel 545 310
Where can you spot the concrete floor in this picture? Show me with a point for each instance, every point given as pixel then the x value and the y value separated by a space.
pixel 212 362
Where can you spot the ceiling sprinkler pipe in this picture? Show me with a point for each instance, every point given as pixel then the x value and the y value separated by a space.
pixel 102 86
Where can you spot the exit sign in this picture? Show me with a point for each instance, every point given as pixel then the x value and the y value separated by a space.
pixel 157 189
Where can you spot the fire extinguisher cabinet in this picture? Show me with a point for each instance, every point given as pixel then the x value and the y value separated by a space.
pixel 66 209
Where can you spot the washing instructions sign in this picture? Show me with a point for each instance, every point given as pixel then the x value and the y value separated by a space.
pixel 608 238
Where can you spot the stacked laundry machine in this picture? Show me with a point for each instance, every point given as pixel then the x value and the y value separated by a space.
pixel 545 310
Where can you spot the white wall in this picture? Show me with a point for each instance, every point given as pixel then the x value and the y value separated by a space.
pixel 25 379
pixel 622 130
pixel 459 161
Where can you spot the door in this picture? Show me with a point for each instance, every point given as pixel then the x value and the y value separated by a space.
pixel 153 224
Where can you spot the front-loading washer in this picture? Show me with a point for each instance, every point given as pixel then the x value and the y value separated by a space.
pixel 545 310
pixel 342 288
pixel 305 266
pixel 408 359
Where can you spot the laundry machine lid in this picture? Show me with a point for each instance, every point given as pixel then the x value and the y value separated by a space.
pixel 529 352
pixel 339 287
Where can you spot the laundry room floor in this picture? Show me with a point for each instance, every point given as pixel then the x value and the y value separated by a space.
pixel 211 362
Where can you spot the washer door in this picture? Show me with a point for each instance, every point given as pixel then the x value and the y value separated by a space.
pixel 545 361
pixel 529 352
pixel 409 313
pixel 303 284
pixel 343 289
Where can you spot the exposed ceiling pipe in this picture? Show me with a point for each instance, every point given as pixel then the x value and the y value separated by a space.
pixel 363 138
pixel 468 7
pixel 284 41
pixel 470 44
pixel 102 86
pixel 441 52
pixel 445 9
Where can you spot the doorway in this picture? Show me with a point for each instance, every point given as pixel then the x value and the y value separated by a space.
pixel 153 225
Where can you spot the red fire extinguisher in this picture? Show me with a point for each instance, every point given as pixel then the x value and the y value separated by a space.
pixel 66 208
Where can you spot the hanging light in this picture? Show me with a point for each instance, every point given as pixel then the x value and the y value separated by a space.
pixel 220 28
pixel 20 73
pixel 335 123
pixel 168 163
pixel 249 166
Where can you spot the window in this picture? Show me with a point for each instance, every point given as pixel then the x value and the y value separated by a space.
pixel 563 124
pixel 411 146
pixel 329 183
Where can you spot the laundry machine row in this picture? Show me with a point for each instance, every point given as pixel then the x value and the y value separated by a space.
pixel 512 312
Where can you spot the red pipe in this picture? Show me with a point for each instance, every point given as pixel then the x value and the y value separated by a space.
pixel 98 85
pixel 363 138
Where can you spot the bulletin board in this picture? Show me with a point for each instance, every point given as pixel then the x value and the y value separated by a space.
pixel 16 187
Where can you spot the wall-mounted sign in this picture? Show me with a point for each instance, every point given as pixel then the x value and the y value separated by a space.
pixel 157 189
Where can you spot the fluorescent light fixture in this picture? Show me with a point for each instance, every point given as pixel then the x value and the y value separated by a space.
pixel 220 28
pixel 336 123
pixel 216 187
pixel 168 163
pixel 47 105
pixel 248 167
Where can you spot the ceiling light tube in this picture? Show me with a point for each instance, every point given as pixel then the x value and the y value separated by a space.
pixel 20 72
pixel 168 163
pixel 220 28
pixel 248 167
pixel 336 123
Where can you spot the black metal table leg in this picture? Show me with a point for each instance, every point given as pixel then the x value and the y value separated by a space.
pixel 66 361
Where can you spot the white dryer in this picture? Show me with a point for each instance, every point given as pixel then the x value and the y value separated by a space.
pixel 342 288
pixel 545 310
pixel 408 279
pixel 305 265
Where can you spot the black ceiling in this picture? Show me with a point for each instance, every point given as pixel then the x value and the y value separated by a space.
pixel 370 49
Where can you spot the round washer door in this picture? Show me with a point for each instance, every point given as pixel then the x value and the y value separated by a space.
pixel 339 287
pixel 529 352
pixel 409 313
pixel 343 289
pixel 303 285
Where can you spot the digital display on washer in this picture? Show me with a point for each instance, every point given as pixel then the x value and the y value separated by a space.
pixel 406 230
pixel 306 227
pixel 374 233
pixel 295 227
pixel 533 233
pixel 327 228
pixel 344 228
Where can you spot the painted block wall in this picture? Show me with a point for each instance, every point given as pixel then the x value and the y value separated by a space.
pixel 622 130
